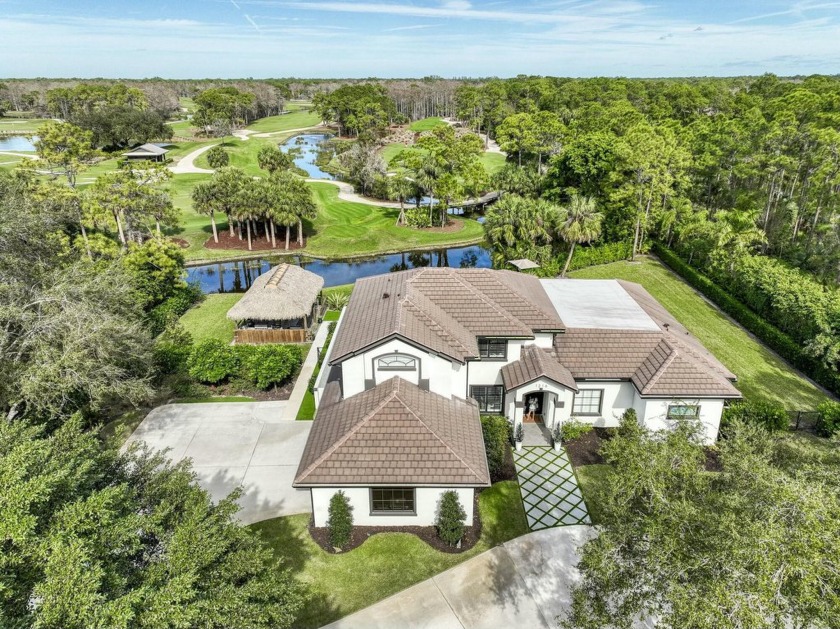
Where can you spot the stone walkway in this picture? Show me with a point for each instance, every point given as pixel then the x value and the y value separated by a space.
pixel 550 492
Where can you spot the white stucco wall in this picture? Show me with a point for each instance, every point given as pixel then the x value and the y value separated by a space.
pixel 425 501
pixel 653 414
pixel 617 398
pixel 557 403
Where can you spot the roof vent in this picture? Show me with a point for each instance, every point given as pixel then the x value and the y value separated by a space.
pixel 386 295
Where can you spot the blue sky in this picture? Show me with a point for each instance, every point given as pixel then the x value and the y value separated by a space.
pixel 393 38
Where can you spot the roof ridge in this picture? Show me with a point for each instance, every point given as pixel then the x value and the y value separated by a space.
pixel 665 364
pixel 437 327
pixel 437 436
pixel 352 431
pixel 278 274
pixel 485 299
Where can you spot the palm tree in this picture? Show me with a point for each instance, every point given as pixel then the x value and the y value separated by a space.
pixel 580 223
pixel 400 188
pixel 738 233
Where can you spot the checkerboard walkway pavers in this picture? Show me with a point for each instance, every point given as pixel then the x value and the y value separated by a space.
pixel 549 488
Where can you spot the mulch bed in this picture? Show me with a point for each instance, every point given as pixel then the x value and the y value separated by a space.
pixel 713 463
pixel 271 395
pixel 226 241
pixel 585 450
pixel 508 471
pixel 428 534
pixel 452 225
pixel 180 242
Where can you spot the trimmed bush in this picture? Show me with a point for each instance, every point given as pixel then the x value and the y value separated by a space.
pixel 519 433
pixel 450 518
pixel 629 423
pixel 212 361
pixel 267 365
pixel 828 422
pixel 217 157
pixel 340 521
pixel 172 350
pixel 418 217
pixel 574 429
pixel 495 430
pixel 770 416
pixel 167 313
pixel 600 254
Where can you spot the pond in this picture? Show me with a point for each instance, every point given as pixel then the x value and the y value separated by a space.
pixel 17 143
pixel 237 276
pixel 308 146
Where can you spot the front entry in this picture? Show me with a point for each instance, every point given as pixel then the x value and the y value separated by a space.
pixel 534 404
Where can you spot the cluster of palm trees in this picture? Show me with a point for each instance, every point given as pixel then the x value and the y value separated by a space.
pixel 519 227
pixel 257 208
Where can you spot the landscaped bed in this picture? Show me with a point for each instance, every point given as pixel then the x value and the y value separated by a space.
pixel 385 563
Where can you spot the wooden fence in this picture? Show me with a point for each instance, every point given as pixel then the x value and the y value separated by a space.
pixel 256 336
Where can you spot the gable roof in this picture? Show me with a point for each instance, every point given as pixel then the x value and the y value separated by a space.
pixel 394 434
pixel 284 292
pixel 533 364
pixel 444 309
pixel 146 149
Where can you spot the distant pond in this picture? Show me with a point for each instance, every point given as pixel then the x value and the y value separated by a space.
pixel 308 146
pixel 237 276
pixel 17 143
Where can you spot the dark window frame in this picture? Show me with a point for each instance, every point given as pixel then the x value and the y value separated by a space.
pixel 589 414
pixel 694 417
pixel 482 401
pixel 484 353
pixel 403 490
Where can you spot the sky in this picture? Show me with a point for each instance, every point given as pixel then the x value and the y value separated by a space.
pixel 392 38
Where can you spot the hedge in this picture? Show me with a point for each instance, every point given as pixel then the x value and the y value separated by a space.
pixel 770 335
pixel 600 254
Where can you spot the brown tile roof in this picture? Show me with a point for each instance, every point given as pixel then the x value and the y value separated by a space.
pixel 397 434
pixel 535 363
pixel 444 309
pixel 667 363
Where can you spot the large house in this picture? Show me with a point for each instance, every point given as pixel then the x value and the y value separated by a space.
pixel 418 355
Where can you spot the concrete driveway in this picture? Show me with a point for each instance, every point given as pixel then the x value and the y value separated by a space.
pixel 526 582
pixel 232 444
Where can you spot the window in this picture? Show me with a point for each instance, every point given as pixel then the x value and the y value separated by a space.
pixel 489 398
pixel 683 411
pixel 588 402
pixel 494 349
pixel 392 500
pixel 396 362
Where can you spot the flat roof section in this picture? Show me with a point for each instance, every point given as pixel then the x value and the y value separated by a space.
pixel 597 304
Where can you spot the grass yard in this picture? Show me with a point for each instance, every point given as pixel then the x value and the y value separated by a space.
pixel 493 162
pixel 208 320
pixel 390 151
pixel 427 124
pixel 386 563
pixel 22 126
pixel 345 229
pixel 298 119
pixel 761 374
pixel 591 480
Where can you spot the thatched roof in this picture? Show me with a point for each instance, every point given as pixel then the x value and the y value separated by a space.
pixel 281 293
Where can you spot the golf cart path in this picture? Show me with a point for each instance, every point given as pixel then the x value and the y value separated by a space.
pixel 346 193
pixel 187 165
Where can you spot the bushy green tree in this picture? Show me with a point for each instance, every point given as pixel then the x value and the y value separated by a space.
pixel 828 422
pixel 65 149
pixel 771 416
pixel 218 157
pixel 340 520
pixel 272 159
pixel 267 365
pixel 94 538
pixel 212 361
pixel 755 545
pixel 450 517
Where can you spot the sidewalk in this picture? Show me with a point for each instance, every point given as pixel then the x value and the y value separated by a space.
pixel 306 369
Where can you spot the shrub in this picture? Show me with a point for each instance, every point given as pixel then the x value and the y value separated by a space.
pixel 172 350
pixel 212 361
pixel 167 313
pixel 217 157
pixel 418 217
pixel 828 422
pixel 629 423
pixel 340 521
pixel 266 365
pixel 766 414
pixel 450 518
pixel 574 429
pixel 600 254
pixel 495 430
pixel 336 299
pixel 519 433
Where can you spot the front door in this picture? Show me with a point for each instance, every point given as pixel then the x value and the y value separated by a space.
pixel 534 407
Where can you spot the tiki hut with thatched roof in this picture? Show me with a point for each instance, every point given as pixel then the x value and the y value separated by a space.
pixel 279 307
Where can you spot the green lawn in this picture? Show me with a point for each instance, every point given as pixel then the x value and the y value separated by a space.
pixel 293 120
pixel 22 126
pixel 493 162
pixel 344 229
pixel 591 480
pixel 390 151
pixel 761 374
pixel 332 315
pixel 426 124
pixel 386 563
pixel 208 320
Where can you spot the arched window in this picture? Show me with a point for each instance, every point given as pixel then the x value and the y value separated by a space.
pixel 396 362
